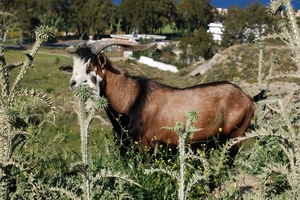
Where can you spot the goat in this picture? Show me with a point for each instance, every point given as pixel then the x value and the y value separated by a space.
pixel 146 106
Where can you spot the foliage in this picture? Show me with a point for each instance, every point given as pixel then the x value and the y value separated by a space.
pixel 101 17
pixel 243 25
pixel 165 54
pixel 195 48
pixel 8 11
pixel 193 15
pixel 146 16
pixel 94 17
pixel 47 16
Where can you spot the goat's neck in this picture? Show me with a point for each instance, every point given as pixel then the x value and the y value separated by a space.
pixel 120 91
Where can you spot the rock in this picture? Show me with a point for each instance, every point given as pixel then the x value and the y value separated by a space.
pixel 201 69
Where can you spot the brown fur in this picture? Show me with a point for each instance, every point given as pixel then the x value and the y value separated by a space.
pixel 220 105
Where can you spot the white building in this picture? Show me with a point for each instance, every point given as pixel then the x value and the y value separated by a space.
pixel 136 37
pixel 216 29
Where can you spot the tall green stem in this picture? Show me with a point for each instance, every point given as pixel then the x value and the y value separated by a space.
pixel 181 193
pixel 84 124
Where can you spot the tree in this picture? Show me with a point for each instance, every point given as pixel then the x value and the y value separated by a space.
pixel 99 15
pixel 17 14
pixel 244 25
pixel 219 15
pixel 196 47
pixel 193 14
pixel 234 26
pixel 167 12
pixel 9 9
pixel 146 16
pixel 28 17
pixel 75 16
pixel 53 13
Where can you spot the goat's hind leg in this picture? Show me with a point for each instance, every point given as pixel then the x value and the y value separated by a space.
pixel 233 151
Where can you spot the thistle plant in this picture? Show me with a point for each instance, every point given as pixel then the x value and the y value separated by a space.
pixel 13 127
pixel 186 155
pixel 86 114
pixel 278 117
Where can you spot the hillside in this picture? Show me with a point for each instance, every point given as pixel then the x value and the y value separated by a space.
pixel 239 66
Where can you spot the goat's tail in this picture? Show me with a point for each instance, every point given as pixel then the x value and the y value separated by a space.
pixel 260 96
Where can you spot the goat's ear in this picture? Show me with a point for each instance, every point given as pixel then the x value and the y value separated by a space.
pixel 66 69
pixel 101 60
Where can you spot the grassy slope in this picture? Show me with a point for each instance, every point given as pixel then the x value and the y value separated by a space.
pixel 241 62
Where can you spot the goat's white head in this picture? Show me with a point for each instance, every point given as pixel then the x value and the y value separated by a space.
pixel 88 67
pixel 84 71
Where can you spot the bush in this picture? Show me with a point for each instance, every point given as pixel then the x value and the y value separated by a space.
pixel 197 47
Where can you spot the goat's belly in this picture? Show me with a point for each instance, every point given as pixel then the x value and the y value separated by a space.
pixel 170 139
pixel 163 135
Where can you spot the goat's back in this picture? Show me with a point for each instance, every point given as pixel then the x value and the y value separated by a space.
pixel 220 105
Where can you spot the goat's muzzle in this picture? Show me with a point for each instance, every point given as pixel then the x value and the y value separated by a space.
pixel 72 84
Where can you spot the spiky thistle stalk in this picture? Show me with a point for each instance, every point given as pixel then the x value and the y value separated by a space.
pixel 184 131
pixel 83 93
pixel 86 114
pixel 9 130
pixel 4 79
pixel 261 46
pixel 42 34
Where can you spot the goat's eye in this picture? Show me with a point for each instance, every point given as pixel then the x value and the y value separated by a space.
pixel 89 69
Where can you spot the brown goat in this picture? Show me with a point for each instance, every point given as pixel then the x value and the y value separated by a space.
pixel 146 106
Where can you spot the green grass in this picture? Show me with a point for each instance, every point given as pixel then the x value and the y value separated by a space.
pixel 44 74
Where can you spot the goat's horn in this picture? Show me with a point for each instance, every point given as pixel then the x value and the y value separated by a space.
pixel 71 50
pixel 97 47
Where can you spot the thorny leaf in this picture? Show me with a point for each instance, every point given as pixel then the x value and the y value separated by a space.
pixel 44 32
pixel 11 113
pixel 102 103
pixel 84 93
pixel 193 115
pixel 281 24
pixel 179 127
pixel 276 6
